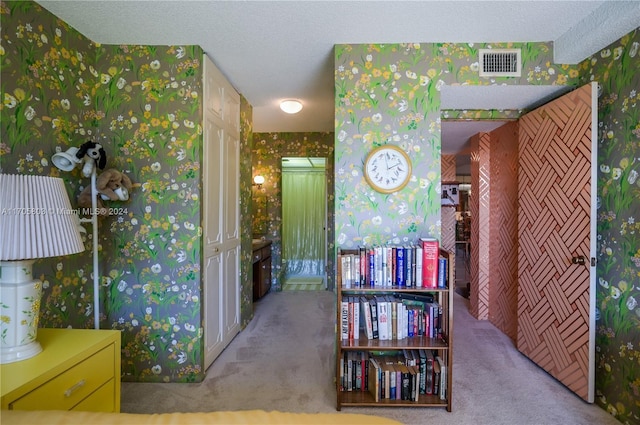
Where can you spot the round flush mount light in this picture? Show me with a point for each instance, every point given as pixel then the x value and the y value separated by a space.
pixel 291 106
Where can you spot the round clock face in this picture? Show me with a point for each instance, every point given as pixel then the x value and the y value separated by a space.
pixel 387 169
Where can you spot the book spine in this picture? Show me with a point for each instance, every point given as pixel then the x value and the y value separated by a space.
pixel 355 260
pixel 442 272
pixel 350 315
pixel 372 267
pixel 356 318
pixel 378 265
pixel 400 267
pixel 374 318
pixel 419 266
pixel 385 265
pixel 410 266
pixel 364 265
pixel 383 319
pixel 366 312
pixel 430 255
pixel 344 316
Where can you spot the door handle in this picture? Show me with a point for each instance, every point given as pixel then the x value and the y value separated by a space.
pixel 578 260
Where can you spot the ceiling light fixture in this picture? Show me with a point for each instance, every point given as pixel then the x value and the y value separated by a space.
pixel 291 106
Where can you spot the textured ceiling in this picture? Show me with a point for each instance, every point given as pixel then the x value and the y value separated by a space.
pixel 272 50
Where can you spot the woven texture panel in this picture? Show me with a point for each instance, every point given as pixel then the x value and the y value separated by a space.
pixel 503 249
pixel 448 214
pixel 480 227
pixel 553 226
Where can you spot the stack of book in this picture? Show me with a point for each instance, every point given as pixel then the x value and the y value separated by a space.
pixel 413 266
pixel 390 317
pixel 403 375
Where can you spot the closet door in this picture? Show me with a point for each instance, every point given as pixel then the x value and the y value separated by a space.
pixel 221 234
pixel 556 238
pixel 231 208
pixel 213 264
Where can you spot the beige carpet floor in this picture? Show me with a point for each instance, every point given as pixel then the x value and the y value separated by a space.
pixel 285 360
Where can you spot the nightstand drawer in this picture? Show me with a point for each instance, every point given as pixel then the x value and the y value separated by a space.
pixel 100 401
pixel 72 386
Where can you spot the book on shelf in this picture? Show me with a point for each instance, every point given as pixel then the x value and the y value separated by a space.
pixel 383 318
pixel 443 378
pixel 359 362
pixel 394 375
pixel 401 266
pixel 422 365
pixel 389 317
pixel 366 313
pixel 442 272
pixel 355 311
pixel 344 318
pixel 374 317
pixel 414 384
pixel 436 378
pixel 430 255
pixel 428 379
pixel 374 379
pixel 418 258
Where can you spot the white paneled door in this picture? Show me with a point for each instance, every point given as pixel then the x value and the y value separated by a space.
pixel 221 235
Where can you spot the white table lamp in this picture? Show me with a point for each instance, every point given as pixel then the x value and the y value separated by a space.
pixel 36 221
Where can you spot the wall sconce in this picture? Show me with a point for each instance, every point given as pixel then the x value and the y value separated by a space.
pixel 258 181
pixel 37 222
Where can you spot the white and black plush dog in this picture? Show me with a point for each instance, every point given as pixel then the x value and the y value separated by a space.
pixel 93 155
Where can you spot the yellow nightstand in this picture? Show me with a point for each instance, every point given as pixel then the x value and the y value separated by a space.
pixel 78 369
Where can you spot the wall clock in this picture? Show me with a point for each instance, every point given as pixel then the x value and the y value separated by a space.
pixel 387 169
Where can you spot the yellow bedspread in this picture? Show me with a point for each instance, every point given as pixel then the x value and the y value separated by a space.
pixel 17 417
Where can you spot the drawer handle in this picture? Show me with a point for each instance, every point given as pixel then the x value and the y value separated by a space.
pixel 74 388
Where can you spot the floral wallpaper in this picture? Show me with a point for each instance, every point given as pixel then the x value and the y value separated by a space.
pixel 268 150
pixel 617 71
pixel 48 74
pixel 390 93
pixel 144 105
pixel 246 213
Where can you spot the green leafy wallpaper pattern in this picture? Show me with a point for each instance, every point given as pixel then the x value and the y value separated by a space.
pixel 268 150
pixel 617 71
pixel 390 93
pixel 144 105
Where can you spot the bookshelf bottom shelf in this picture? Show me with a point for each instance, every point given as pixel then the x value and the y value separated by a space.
pixel 366 399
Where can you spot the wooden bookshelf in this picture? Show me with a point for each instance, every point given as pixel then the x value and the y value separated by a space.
pixel 441 344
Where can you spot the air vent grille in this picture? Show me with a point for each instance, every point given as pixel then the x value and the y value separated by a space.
pixel 500 63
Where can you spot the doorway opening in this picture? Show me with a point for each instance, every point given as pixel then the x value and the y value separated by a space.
pixel 304 223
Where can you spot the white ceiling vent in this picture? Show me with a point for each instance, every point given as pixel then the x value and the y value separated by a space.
pixel 500 63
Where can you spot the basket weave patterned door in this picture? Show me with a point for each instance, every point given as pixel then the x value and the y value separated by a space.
pixel 556 232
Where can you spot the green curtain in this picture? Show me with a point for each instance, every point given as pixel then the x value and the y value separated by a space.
pixel 304 200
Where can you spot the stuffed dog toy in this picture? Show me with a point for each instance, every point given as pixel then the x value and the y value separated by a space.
pixel 112 185
pixel 93 155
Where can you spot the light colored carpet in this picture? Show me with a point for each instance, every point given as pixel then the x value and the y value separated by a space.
pixel 285 360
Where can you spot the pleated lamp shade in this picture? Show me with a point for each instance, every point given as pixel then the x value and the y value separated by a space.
pixel 36 218
pixel 36 221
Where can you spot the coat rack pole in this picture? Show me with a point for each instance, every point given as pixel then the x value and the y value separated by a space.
pixel 94 224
